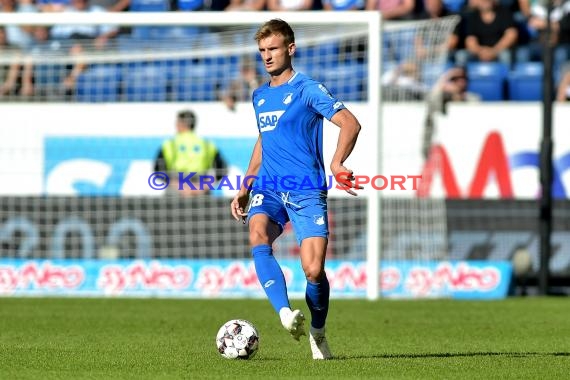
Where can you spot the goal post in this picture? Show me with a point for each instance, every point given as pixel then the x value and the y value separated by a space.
pixel 148 77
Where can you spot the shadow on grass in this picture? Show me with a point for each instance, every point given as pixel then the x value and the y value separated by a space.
pixel 454 355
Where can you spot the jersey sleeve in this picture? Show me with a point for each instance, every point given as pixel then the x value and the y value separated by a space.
pixel 320 100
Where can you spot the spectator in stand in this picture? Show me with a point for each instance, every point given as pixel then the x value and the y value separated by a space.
pixel 18 36
pixel 246 5
pixel 46 6
pixel 403 81
pixel 216 5
pixel 562 51
pixel 15 79
pixel 451 87
pixel 343 5
pixel 457 38
pixel 433 9
pixel 536 26
pixel 132 5
pixel 112 5
pixel 563 93
pixel 81 38
pixel 491 34
pixel 289 5
pixel 27 6
pixel 98 35
pixel 392 9
pixel 241 88
pixel 522 7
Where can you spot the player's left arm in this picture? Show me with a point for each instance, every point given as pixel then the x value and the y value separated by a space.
pixel 349 130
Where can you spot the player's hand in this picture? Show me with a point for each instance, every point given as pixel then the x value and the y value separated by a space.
pixel 239 205
pixel 346 179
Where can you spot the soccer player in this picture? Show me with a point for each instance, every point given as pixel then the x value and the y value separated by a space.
pixel 289 181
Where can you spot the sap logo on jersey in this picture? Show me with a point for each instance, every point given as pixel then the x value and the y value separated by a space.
pixel 268 120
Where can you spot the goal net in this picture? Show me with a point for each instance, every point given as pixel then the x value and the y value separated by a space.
pixel 78 149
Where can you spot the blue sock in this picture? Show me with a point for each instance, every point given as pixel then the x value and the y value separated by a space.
pixel 317 297
pixel 270 276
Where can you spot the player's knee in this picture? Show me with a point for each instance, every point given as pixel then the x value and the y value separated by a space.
pixel 258 237
pixel 313 272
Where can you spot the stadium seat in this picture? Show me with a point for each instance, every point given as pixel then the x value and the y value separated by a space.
pixel 346 82
pixel 190 5
pixel 401 44
pixel 454 5
pixel 559 72
pixel 127 44
pixel 48 79
pixel 149 6
pixel 318 55
pixel 431 72
pixel 196 81
pixel 525 82
pixel 99 83
pixel 176 32
pixel 561 56
pixel 487 79
pixel 145 82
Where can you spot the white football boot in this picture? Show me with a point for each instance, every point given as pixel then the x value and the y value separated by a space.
pixel 319 345
pixel 294 322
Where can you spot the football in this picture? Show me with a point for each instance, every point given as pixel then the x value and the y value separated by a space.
pixel 237 339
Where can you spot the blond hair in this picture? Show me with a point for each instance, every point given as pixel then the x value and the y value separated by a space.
pixel 277 27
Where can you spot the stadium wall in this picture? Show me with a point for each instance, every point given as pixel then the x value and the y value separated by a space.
pixel 484 162
pixel 486 151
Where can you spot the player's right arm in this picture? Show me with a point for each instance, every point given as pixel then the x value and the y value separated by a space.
pixel 239 203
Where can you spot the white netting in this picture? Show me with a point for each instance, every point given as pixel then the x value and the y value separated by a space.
pixel 194 62
pixel 414 56
pixel 179 63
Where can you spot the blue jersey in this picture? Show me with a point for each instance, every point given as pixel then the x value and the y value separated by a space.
pixel 290 121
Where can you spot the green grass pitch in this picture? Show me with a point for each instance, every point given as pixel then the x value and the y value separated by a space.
pixel 52 338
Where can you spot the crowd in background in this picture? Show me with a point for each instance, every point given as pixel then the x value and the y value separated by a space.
pixel 507 31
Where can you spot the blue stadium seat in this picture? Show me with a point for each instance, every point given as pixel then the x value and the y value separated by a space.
pixel 400 44
pixel 127 44
pixel 454 5
pixel 525 81
pixel 48 79
pixel 144 33
pixel 176 32
pixel 487 79
pixel 99 83
pixel 196 81
pixel 431 72
pixel 346 82
pixel 559 72
pixel 190 5
pixel 319 55
pixel 149 6
pixel 145 82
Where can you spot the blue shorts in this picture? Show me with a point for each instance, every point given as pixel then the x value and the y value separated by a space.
pixel 307 212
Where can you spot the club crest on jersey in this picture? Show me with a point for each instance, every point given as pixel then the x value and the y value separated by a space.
pixel 287 98
pixel 267 121
pixel 319 220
